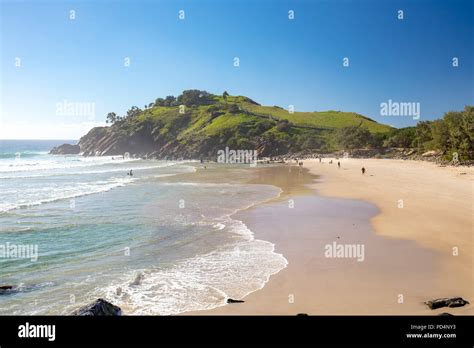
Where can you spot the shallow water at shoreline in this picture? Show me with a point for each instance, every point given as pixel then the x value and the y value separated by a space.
pixel 176 232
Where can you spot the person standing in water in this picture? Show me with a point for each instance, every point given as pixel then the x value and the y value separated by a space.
pixel 130 173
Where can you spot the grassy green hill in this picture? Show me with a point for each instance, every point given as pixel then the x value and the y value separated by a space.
pixel 197 124
pixel 324 119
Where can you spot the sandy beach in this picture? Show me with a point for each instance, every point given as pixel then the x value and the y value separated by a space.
pixel 413 219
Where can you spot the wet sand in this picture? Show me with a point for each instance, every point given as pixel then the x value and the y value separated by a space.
pixel 398 272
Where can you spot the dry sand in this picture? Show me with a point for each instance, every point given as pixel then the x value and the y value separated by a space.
pixel 419 201
pixel 409 255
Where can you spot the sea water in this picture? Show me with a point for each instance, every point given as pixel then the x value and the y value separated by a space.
pixel 146 243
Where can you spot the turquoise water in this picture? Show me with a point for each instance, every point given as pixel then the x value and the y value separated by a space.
pixel 97 229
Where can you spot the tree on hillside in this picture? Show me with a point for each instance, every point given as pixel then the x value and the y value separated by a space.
pixel 455 133
pixel 403 137
pixel 440 134
pixel 423 136
pixel 353 137
pixel 159 102
pixel 111 118
pixel 169 101
pixel 133 112
pixel 194 97
pixel 468 126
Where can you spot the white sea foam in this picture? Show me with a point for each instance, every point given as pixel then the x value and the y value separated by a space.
pixel 46 194
pixel 57 172
pixel 219 226
pixel 202 282
pixel 51 163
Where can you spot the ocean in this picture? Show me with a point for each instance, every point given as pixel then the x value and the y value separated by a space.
pixel 155 243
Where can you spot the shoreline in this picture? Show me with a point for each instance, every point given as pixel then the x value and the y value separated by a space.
pixel 418 273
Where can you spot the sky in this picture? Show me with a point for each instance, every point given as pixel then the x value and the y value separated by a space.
pixel 63 71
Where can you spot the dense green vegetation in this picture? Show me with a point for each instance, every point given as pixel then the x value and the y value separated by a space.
pixel 453 135
pixel 196 123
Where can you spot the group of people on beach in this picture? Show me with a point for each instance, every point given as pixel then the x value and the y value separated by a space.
pixel 339 164
pixel 130 173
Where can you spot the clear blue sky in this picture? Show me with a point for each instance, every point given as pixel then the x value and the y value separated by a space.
pixel 282 61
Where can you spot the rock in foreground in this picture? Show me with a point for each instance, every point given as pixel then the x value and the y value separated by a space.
pixel 5 289
pixel 99 307
pixel 231 300
pixel 66 149
pixel 447 302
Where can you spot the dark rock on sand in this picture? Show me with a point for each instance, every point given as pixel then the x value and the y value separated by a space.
pixel 302 314
pixel 446 302
pixel 66 149
pixel 8 289
pixel 5 289
pixel 99 307
pixel 230 300
pixel 445 314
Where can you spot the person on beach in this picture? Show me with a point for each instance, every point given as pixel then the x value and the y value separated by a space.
pixel 338 164
pixel 363 170
pixel 319 159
